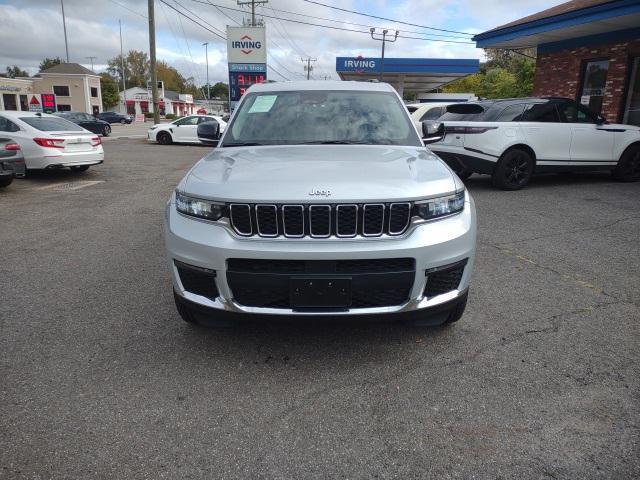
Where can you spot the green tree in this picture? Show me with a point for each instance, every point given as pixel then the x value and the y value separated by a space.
pixel 109 89
pixel 49 62
pixel 505 74
pixel 136 66
pixel 16 71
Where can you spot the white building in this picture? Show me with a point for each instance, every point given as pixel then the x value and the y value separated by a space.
pixel 137 100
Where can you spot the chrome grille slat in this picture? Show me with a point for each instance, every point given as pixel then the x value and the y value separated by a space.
pixel 345 220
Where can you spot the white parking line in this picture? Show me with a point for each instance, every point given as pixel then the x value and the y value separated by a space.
pixel 66 186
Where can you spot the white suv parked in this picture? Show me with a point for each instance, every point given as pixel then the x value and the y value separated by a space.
pixel 321 199
pixel 515 138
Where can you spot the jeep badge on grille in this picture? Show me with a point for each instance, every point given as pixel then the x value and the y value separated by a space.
pixel 320 193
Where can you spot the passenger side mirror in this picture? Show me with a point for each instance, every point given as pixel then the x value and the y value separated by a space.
pixel 432 131
pixel 209 132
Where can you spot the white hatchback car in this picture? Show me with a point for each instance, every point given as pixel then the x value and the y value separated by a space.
pixel 48 141
pixel 182 130
pixel 515 138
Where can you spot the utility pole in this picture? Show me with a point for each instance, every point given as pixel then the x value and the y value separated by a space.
pixel 124 87
pixel 92 59
pixel 308 68
pixel 384 40
pixel 253 8
pixel 206 53
pixel 64 26
pixel 152 55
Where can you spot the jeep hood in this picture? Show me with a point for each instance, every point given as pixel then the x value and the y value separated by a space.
pixel 319 174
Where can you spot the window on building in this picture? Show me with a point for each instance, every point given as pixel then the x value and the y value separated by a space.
pixel 9 100
pixel 131 108
pixel 541 112
pixel 61 90
pixel 64 108
pixel 94 92
pixel 513 113
pixel 24 103
pixel 632 110
pixel 8 125
pixel 593 84
pixel 144 107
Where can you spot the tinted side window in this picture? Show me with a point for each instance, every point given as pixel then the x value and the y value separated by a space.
pixel 8 125
pixel 432 114
pixel 574 113
pixel 541 112
pixel 188 121
pixel 462 117
pixel 513 113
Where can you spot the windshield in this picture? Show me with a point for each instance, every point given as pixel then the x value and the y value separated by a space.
pixel 51 124
pixel 320 116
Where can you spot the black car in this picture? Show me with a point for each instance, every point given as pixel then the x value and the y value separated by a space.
pixel 114 117
pixel 87 121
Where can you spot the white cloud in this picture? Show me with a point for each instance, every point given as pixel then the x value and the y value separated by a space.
pixel 33 30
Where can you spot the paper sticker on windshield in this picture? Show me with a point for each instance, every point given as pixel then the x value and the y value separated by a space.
pixel 263 104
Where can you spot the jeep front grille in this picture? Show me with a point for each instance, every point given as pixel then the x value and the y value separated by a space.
pixel 320 220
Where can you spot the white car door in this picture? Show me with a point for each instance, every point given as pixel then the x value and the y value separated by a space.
pixel 591 143
pixel 186 129
pixel 546 134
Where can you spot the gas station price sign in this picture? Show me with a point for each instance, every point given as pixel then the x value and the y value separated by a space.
pixel 241 77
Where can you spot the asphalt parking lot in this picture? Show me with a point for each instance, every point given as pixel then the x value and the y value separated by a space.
pixel 99 378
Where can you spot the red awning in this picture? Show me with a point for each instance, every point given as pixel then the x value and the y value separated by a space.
pixel 131 102
pixel 144 103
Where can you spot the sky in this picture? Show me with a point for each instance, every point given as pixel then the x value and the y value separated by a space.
pixel 32 30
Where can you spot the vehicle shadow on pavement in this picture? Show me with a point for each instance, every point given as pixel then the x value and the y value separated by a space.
pixel 57 175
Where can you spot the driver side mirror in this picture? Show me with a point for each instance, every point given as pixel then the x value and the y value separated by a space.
pixel 600 120
pixel 432 131
pixel 209 132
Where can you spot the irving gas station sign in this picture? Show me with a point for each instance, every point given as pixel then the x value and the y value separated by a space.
pixel 247 59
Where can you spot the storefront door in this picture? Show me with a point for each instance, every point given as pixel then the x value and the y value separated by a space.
pixel 593 84
pixel 9 100
pixel 632 110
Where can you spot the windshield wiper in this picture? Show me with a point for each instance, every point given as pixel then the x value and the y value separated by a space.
pixel 243 144
pixel 336 142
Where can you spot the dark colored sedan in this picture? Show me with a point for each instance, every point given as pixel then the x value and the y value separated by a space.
pixel 114 117
pixel 88 122
pixel 11 161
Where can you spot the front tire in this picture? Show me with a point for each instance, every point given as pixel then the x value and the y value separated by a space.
pixel 164 138
pixel 106 131
pixel 628 168
pixel 514 170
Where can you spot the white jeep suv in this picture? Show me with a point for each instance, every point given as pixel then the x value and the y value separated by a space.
pixel 321 200
pixel 515 138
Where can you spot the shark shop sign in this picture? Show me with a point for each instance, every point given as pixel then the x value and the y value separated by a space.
pixel 246 45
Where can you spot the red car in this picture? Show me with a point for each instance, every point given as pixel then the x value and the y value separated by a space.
pixel 201 111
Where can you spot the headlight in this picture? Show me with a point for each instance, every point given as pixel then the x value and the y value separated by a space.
pixel 439 207
pixel 197 207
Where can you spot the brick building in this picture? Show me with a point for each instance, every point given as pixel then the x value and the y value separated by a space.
pixel 588 50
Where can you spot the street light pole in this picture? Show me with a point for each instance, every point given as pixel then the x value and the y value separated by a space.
pixel 64 26
pixel 206 53
pixel 124 86
pixel 384 40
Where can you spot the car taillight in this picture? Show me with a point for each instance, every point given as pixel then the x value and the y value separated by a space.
pixel 12 146
pixel 50 142
pixel 95 141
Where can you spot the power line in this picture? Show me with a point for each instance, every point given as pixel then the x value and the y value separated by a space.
pixel 127 8
pixel 384 18
pixel 366 32
pixel 335 20
pixel 194 21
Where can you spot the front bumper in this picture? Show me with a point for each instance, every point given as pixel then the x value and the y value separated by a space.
pixel 432 245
